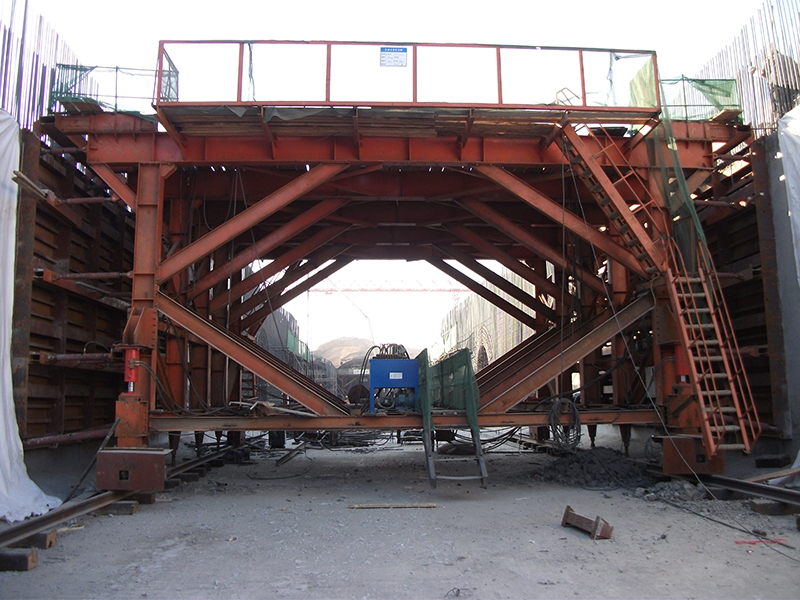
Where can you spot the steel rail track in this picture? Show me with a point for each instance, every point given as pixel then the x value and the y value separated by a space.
pixel 76 508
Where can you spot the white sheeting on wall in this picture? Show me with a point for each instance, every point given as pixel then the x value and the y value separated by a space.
pixel 789 140
pixel 19 496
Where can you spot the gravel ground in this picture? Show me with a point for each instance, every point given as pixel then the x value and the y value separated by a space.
pixel 264 531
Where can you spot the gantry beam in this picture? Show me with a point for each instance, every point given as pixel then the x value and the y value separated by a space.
pixel 527 239
pixel 253 358
pixel 564 217
pixel 246 219
pixel 614 325
pixel 616 416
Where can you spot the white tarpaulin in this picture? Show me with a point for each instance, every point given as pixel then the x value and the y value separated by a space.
pixel 19 496
pixel 789 140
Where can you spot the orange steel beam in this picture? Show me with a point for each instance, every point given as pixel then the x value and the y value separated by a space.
pixel 484 293
pixel 273 291
pixel 117 185
pixel 255 319
pixel 121 140
pixel 499 281
pixel 636 228
pixel 246 219
pixel 524 359
pixel 250 357
pixel 527 239
pixel 561 215
pixel 279 264
pixel 591 416
pixel 268 243
pixel 571 355
pixel 543 285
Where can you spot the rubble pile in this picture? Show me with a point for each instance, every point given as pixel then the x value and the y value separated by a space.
pixel 673 491
pixel 599 468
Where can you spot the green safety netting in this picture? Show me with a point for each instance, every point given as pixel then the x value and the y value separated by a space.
pixel 699 99
pixel 448 384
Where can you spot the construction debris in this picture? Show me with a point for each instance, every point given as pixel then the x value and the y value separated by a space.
pixel 597 469
pixel 597 529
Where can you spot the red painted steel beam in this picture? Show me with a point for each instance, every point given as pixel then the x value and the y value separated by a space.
pixel 388 422
pixel 484 293
pixel 117 185
pixel 268 243
pixel 245 220
pixel 543 285
pixel 561 215
pixel 294 255
pixel 616 324
pixel 258 317
pixel 499 281
pixel 272 292
pixel 238 350
pixel 527 239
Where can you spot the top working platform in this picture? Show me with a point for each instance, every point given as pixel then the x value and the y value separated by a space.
pixel 236 86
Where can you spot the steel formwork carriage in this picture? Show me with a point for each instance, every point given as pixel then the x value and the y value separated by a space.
pixel 311 184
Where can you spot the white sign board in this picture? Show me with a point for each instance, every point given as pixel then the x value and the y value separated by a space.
pixel 394 57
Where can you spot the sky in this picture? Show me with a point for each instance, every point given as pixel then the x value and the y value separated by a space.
pixel 685 34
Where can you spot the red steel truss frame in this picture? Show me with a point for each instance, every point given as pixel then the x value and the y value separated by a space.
pixel 451 182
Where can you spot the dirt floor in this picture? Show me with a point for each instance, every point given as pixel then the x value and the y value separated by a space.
pixel 259 530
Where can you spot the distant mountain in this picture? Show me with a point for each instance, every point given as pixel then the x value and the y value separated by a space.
pixel 343 349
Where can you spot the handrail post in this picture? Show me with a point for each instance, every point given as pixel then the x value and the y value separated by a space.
pixel 159 74
pixel 583 78
pixel 241 71
pixel 328 75
pixel 414 75
pixel 499 78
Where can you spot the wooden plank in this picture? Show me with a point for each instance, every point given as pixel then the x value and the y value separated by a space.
pixel 774 475
pixel 42 540
pixel 19 560
pixel 413 505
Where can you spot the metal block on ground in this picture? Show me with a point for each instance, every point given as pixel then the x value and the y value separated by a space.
pixel 136 469
pixel 684 455
pixel 172 483
pixel 597 528
pixel 19 560
pixel 188 477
